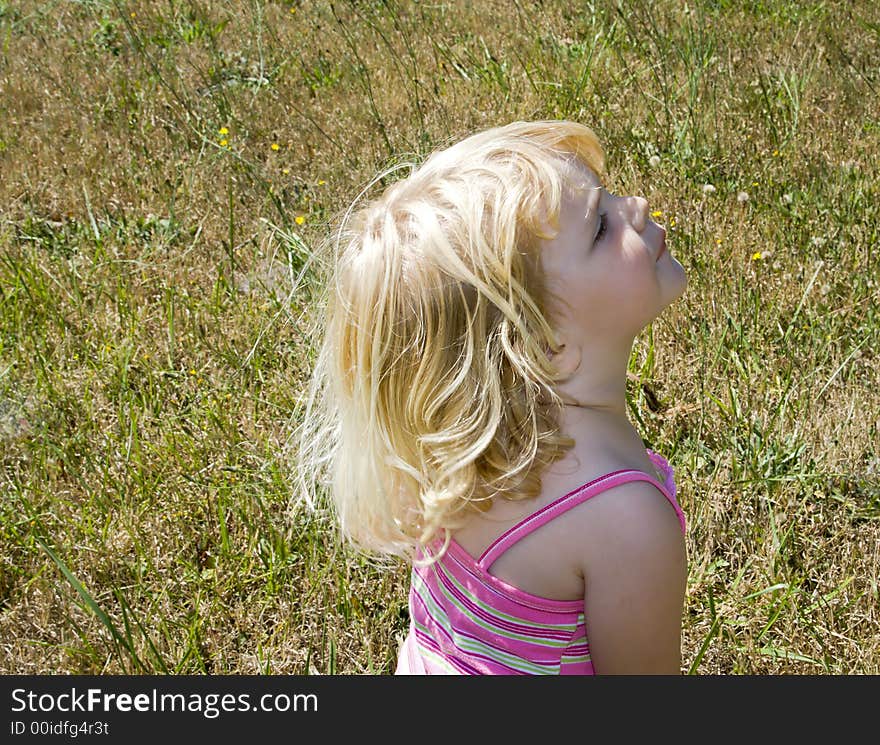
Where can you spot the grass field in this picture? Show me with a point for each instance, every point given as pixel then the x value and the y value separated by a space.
pixel 169 169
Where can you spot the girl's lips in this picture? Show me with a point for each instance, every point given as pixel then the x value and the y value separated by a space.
pixel 662 247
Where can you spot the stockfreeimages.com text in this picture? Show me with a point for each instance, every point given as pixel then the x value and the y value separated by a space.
pixel 210 705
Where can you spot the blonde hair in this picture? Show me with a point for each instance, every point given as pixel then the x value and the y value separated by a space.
pixel 432 389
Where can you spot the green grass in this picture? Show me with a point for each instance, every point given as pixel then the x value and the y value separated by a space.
pixel 156 284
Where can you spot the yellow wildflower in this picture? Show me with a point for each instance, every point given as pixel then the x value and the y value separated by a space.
pixel 276 146
pixel 285 171
pixel 757 256
pixel 657 213
pixel 224 143
pixel 222 131
pixel 321 182
pixel 299 219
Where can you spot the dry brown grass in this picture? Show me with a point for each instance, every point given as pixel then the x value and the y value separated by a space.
pixel 153 344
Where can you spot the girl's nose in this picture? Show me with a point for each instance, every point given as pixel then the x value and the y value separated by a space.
pixel 639 212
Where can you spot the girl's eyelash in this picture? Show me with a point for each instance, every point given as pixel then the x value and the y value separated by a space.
pixel 601 231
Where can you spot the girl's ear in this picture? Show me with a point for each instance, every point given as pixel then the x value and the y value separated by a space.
pixel 565 360
pixel 559 358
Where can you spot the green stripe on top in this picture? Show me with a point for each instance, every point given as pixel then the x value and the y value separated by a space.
pixel 474 646
pixel 566 626
pixel 440 616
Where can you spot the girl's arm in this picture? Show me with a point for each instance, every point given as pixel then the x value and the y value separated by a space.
pixel 635 574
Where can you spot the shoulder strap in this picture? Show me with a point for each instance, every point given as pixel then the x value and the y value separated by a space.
pixel 565 503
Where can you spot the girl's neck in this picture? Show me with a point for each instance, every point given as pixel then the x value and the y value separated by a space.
pixel 603 398
pixel 600 435
pixel 577 416
pixel 595 382
pixel 610 411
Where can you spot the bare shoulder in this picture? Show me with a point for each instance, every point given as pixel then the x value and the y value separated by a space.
pixel 634 566
pixel 634 511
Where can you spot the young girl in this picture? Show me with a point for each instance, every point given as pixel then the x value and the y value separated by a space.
pixel 468 406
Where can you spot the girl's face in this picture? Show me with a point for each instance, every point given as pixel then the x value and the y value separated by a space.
pixel 609 262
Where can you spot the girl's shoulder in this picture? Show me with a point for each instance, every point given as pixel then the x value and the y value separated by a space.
pixel 625 494
pixel 587 464
pixel 574 470
pixel 559 541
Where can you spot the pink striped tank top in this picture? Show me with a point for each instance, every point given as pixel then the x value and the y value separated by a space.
pixel 466 621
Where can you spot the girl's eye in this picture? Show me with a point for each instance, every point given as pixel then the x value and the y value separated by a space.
pixel 601 231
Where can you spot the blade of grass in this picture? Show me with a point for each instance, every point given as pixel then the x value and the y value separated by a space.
pixel 716 622
pixel 92 604
pixel 126 611
pixel 803 299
